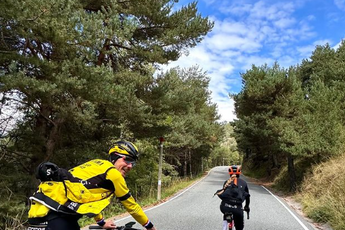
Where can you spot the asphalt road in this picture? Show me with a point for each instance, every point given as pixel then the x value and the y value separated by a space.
pixel 196 209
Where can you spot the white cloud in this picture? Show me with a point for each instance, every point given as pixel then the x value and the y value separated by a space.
pixel 247 33
pixel 306 51
pixel 227 109
pixel 284 23
pixel 226 41
pixel 248 61
pixel 217 67
pixel 311 18
pixel 337 45
pixel 340 4
pixel 230 27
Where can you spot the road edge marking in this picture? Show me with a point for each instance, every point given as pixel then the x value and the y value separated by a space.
pixel 293 215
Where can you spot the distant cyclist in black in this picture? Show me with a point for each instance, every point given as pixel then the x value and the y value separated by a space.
pixel 234 192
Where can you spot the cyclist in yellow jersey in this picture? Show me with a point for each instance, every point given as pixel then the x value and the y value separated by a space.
pixel 64 196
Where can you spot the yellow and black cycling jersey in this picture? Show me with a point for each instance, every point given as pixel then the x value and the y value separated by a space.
pixel 86 189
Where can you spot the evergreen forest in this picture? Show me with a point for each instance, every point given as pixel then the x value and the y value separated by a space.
pixel 291 127
pixel 78 75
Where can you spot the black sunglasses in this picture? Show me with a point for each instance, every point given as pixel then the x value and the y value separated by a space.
pixel 129 160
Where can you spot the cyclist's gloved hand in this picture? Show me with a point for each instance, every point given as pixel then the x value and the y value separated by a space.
pixel 246 208
pixel 153 228
pixel 109 225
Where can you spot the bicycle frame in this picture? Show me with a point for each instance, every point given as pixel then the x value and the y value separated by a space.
pixel 229 218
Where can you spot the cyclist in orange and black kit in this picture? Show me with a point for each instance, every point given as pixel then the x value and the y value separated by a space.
pixel 232 206
pixel 85 190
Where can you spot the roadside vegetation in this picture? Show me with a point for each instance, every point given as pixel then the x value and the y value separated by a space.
pixel 323 191
pixel 291 129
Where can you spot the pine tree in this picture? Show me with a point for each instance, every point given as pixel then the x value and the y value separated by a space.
pixel 81 73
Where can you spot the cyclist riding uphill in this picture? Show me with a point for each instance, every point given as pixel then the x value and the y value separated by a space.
pixel 234 192
pixel 64 196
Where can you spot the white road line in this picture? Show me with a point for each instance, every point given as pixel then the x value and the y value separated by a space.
pixel 298 220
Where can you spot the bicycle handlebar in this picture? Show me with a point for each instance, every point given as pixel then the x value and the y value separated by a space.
pixel 127 226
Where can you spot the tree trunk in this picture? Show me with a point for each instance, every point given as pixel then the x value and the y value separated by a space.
pixel 292 173
pixel 190 163
pixel 202 165
pixel 47 134
pixel 40 134
pixel 275 161
pixel 53 138
pixel 185 164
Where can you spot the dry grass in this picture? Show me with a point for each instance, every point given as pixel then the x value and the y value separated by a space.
pixel 322 194
pixel 16 222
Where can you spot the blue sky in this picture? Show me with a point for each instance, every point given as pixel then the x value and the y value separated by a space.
pixel 250 32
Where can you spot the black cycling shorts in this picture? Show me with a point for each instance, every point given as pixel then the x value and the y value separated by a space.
pixel 57 221
pixel 237 212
